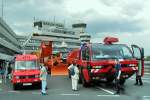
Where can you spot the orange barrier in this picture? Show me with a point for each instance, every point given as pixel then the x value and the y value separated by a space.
pixel 60 69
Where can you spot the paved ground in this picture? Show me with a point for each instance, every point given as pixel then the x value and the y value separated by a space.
pixel 59 88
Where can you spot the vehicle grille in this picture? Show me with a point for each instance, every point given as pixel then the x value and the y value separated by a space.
pixel 25 77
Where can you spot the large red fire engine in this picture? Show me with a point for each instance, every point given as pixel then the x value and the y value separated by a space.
pixel 96 61
pixel 26 71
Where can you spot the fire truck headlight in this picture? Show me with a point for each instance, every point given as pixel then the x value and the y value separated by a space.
pixel 17 77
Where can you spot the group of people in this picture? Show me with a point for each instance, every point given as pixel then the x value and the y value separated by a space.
pixel 74 71
pixel 75 76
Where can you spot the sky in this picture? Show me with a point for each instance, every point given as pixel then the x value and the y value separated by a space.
pixel 128 20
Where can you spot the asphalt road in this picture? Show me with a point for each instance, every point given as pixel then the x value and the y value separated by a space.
pixel 59 88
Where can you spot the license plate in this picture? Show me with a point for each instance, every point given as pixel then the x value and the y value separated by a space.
pixel 26 84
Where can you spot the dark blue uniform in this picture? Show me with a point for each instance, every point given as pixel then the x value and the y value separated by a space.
pixel 118 68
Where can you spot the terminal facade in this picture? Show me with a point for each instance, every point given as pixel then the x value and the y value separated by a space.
pixel 9 46
pixel 63 39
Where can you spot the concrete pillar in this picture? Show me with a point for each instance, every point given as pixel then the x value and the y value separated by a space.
pixel 6 70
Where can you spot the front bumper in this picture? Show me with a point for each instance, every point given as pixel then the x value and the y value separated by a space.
pixel 33 80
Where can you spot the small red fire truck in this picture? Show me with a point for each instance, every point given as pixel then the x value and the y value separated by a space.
pixel 26 71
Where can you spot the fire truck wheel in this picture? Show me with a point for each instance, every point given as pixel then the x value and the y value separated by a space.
pixel 80 79
pixel 122 81
pixel 109 80
pixel 84 83
pixel 38 85
pixel 15 87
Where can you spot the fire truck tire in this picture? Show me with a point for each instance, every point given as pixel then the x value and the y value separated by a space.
pixel 39 85
pixel 80 79
pixel 84 83
pixel 15 86
pixel 110 80
pixel 122 81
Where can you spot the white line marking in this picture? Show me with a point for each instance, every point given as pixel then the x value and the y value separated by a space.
pixel 146 73
pixel 106 90
pixel 14 91
pixel 70 94
pixel 36 93
pixel 146 81
pixel 143 80
pixel 146 96
pixel 108 95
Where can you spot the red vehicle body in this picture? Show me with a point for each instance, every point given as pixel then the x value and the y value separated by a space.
pixel 96 61
pixel 26 71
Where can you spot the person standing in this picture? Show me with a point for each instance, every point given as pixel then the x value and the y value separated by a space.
pixel 1 71
pixel 9 71
pixel 117 76
pixel 74 71
pixel 43 77
pixel 139 74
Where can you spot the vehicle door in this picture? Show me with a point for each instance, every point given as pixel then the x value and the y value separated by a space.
pixel 138 53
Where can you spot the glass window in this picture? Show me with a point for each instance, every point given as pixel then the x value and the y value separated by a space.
pixel 101 51
pixel 137 53
pixel 26 65
pixel 85 53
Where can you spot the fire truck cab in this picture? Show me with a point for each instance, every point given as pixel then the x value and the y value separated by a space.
pixel 96 61
pixel 26 71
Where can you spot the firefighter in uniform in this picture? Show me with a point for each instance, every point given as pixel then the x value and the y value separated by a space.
pixel 139 74
pixel 74 71
pixel 117 76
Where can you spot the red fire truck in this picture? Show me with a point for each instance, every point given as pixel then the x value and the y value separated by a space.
pixel 96 61
pixel 26 71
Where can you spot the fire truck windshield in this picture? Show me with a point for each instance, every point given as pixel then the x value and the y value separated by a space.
pixel 101 51
pixel 26 65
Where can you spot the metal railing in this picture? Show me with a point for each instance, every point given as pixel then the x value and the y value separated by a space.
pixel 147 66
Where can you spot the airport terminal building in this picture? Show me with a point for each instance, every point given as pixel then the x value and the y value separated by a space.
pixel 9 46
pixel 63 39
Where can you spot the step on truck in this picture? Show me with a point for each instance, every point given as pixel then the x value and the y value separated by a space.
pixel 96 61
pixel 26 71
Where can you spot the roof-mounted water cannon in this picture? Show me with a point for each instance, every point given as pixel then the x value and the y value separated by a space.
pixel 110 40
